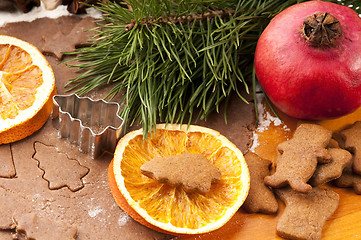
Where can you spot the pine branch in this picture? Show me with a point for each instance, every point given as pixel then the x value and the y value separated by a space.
pixel 149 22
pixel 171 58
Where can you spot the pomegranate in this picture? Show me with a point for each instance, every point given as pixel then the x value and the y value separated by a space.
pixel 308 60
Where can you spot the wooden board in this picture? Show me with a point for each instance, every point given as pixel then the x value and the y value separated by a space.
pixel 345 222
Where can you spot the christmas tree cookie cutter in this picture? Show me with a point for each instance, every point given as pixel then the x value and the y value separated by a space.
pixel 94 125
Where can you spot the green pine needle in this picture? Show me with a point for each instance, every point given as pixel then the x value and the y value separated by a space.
pixel 166 69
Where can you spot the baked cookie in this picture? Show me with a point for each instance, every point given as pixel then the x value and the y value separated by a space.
pixel 193 172
pixel 305 214
pixel 352 138
pixel 298 157
pixel 260 198
pixel 329 171
pixel 349 179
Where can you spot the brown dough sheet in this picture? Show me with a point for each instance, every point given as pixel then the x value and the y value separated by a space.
pixel 91 208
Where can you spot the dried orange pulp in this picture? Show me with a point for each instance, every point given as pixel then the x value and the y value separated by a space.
pixel 27 85
pixel 170 209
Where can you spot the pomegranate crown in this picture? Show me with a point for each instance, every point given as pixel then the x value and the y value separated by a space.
pixel 321 29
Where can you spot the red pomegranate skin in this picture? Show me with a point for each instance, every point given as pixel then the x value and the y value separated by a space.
pixel 308 82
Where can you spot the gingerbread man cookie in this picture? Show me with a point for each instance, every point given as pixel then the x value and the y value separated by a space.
pixel 349 179
pixel 298 157
pixel 329 171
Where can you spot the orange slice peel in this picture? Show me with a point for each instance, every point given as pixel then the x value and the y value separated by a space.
pixel 27 85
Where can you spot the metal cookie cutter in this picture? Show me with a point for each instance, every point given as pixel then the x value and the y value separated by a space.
pixel 93 125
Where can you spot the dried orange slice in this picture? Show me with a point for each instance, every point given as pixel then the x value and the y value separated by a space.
pixel 27 85
pixel 171 209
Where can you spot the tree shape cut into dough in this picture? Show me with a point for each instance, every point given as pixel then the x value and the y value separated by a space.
pixel 33 226
pixel 305 214
pixel 191 171
pixel 352 137
pixel 59 43
pixel 59 170
pixel 298 157
pixel 7 169
pixel 260 197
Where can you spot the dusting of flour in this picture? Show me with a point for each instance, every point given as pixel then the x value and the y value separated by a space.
pixel 95 211
pixel 123 219
pixel 41 12
pixel 265 119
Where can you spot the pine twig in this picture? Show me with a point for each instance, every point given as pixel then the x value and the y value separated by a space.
pixel 170 58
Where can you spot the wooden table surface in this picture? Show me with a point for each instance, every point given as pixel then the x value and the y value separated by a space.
pixel 344 224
